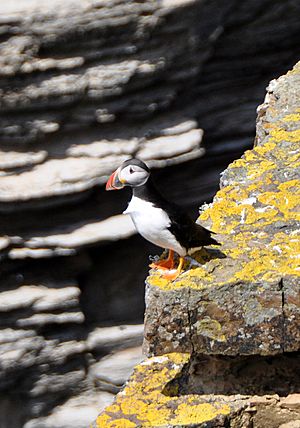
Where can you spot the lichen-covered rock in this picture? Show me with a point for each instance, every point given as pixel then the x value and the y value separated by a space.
pixel 155 396
pixel 241 300
pixel 243 297
pixel 84 85
pixel 145 402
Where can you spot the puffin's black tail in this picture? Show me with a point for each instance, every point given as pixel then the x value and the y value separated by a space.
pixel 203 237
pixel 212 240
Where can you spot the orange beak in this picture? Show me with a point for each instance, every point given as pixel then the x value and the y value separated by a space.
pixel 113 183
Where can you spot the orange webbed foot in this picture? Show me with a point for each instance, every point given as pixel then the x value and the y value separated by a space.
pixel 172 273
pixel 166 264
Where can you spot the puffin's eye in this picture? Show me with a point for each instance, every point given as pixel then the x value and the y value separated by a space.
pixel 131 171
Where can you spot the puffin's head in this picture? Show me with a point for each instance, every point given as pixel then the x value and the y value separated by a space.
pixel 132 172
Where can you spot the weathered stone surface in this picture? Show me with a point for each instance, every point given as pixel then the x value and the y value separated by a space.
pixel 76 411
pixel 66 243
pixel 228 309
pixel 84 85
pixel 155 396
pixel 117 336
pixel 292 424
pixel 292 401
pixel 144 403
pixel 243 298
pixel 111 373
pixel 51 358
pixel 107 376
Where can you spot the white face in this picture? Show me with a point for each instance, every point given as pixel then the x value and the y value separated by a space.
pixel 133 175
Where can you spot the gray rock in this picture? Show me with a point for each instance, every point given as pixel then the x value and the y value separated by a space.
pixel 242 298
pixel 78 411
pixel 85 85
pixel 109 337
pixel 292 401
pixel 116 368
pixel 291 424
pixel 219 337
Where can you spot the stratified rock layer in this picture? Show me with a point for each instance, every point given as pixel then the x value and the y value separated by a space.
pixel 84 85
pixel 75 103
pixel 243 297
pixel 225 333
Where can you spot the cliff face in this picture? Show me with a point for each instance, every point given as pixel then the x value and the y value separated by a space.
pixel 256 217
pixel 225 334
pixel 84 85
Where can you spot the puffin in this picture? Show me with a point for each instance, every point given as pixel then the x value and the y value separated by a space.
pixel 158 220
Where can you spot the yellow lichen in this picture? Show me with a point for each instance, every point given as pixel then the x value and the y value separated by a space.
pixel 142 402
pixel 158 280
pixel 279 134
pixel 280 257
pixel 292 184
pixel 210 328
pixel 186 279
pixel 261 168
pixel 266 148
pixel 198 413
pixel 294 117
pixel 264 192
pixel 117 423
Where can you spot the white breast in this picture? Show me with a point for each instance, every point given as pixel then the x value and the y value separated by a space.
pixel 152 223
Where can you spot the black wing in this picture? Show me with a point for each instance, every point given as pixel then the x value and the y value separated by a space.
pixel 188 233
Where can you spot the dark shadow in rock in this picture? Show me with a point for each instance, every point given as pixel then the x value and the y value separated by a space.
pixel 113 289
pixel 245 375
pixel 206 254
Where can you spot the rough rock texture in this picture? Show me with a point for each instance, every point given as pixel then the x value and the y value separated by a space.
pixel 243 298
pixel 225 333
pixel 84 84
pixel 69 374
pixel 153 397
pixel 143 401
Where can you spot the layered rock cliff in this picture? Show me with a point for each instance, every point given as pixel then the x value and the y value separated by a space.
pixel 225 335
pixel 84 85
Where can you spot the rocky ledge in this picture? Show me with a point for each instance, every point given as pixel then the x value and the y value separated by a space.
pixel 243 297
pixel 225 335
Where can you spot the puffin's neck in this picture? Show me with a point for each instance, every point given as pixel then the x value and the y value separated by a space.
pixel 147 191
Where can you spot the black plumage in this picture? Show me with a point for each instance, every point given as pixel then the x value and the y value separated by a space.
pixel 188 233
pixel 159 221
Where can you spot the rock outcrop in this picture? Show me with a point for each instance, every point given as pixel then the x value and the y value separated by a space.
pixel 84 85
pixel 225 334
pixel 256 218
